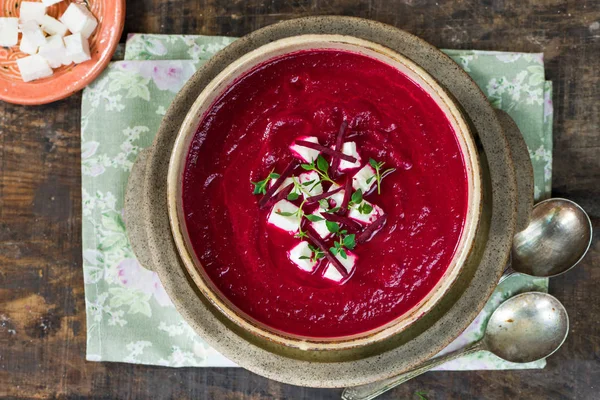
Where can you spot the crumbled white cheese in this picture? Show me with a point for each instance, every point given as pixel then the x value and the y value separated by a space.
pixel 364 179
pixel 31 11
pixel 300 255
pixel 79 19
pixel 288 223
pixel 320 226
pixel 9 31
pixel 33 33
pixel 55 52
pixel 367 218
pixel 349 263
pixel 78 49
pixel 349 148
pixel 52 26
pixel 33 67
pixel 311 185
pixel 286 182
pixel 304 153
pixel 338 197
pixel 26 47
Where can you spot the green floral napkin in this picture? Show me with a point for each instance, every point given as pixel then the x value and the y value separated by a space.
pixel 129 316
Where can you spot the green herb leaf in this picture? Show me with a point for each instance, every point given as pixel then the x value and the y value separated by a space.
pixel 301 234
pixel 308 167
pixel 322 163
pixel 333 210
pixel 332 227
pixel 343 254
pixel 369 180
pixel 303 258
pixel 274 175
pixel 333 251
pixel 357 197
pixel 285 213
pixel 365 208
pixel 373 163
pixel 308 183
pixel 313 218
pixel 292 196
pixel 324 204
pixel 350 241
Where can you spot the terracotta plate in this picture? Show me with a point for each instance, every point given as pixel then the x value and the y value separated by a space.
pixel 66 79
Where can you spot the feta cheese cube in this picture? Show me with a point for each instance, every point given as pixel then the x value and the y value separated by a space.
pixel 349 148
pixel 366 218
pixel 286 182
pixel 338 197
pixel 9 31
pixel 48 3
pixel 349 263
pixel 26 47
pixel 300 255
pixel 52 26
pixel 310 183
pixel 284 215
pixel 304 153
pixel 78 49
pixel 364 179
pixel 33 67
pixel 31 11
pixel 79 20
pixel 320 226
pixel 54 51
pixel 33 33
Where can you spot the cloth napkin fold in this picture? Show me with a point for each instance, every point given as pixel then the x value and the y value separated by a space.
pixel 130 318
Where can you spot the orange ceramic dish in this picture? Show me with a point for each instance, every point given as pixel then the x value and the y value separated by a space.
pixel 66 80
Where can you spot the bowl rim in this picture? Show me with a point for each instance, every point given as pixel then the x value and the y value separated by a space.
pixel 53 92
pixel 241 66
pixel 147 197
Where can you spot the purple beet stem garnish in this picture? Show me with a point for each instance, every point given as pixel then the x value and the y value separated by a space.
pixel 338 143
pixel 367 233
pixel 347 194
pixel 271 191
pixel 326 150
pixel 349 222
pixel 314 237
pixel 314 199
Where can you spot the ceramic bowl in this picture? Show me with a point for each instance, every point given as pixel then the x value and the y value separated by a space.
pixel 246 63
pixel 66 80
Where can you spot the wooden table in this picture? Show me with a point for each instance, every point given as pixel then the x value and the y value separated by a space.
pixel 42 308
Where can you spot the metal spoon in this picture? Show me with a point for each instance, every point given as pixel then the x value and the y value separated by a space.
pixel 525 328
pixel 557 238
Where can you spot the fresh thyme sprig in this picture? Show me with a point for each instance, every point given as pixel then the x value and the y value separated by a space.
pixel 378 174
pixel 344 242
pixel 316 254
pixel 260 187
pixel 321 167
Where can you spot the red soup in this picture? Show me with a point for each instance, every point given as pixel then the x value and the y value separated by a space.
pixel 325 193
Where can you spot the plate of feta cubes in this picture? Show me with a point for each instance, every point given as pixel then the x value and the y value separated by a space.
pixel 50 49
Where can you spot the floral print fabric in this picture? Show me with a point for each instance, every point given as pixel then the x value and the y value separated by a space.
pixel 130 318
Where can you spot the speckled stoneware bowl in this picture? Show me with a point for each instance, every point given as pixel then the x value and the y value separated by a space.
pixel 147 218
pixel 220 84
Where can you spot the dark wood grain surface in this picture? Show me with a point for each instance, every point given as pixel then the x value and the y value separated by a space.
pixel 42 309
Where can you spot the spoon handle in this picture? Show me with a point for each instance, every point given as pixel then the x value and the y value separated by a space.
pixel 372 390
pixel 508 272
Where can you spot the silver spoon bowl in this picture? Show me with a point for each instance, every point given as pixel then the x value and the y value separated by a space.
pixel 556 239
pixel 525 328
